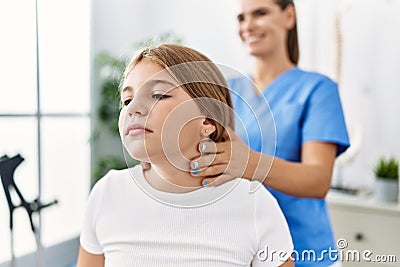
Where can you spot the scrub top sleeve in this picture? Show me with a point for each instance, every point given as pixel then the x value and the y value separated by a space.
pixel 323 118
pixel 274 241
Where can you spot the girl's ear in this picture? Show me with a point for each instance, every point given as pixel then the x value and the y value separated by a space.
pixel 207 128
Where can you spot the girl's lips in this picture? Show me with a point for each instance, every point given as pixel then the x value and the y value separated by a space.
pixel 137 129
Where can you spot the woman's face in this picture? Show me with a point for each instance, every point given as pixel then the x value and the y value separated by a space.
pixel 263 25
pixel 158 118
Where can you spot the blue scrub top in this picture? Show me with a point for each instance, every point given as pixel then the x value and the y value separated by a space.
pixel 297 107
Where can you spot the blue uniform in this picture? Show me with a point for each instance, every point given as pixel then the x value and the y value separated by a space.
pixel 297 107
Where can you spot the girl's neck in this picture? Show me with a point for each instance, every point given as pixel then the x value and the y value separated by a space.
pixel 166 177
pixel 268 69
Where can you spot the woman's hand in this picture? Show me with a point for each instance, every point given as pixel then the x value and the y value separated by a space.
pixel 223 161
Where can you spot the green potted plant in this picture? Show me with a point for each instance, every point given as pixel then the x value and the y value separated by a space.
pixel 387 179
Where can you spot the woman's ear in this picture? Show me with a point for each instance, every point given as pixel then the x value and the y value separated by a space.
pixel 207 128
pixel 290 13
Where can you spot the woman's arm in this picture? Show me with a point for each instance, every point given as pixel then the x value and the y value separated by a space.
pixel 309 178
pixel 86 259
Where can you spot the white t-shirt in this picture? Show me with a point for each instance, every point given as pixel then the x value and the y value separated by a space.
pixel 134 224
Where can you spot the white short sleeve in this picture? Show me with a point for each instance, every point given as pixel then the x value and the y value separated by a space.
pixel 88 238
pixel 274 240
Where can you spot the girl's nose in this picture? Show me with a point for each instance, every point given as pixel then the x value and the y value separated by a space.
pixel 137 108
pixel 136 113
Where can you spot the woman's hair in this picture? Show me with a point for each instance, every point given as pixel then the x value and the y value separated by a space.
pixel 292 39
pixel 199 77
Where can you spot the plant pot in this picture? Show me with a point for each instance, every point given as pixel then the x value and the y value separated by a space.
pixel 386 190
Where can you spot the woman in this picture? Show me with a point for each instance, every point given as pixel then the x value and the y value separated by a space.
pixel 172 97
pixel 310 129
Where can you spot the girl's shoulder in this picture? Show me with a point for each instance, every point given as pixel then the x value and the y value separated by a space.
pixel 114 180
pixel 253 191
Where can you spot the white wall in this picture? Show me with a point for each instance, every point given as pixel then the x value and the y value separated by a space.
pixel 369 82
pixel 206 25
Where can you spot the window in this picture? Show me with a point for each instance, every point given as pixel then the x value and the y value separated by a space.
pixel 46 120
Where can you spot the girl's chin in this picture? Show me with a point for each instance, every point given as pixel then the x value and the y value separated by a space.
pixel 160 155
pixel 137 152
pixel 139 157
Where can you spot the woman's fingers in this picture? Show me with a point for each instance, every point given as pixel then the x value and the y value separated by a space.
pixel 210 147
pixel 206 160
pixel 214 160
pixel 211 152
pixel 213 170
pixel 216 180
pixel 207 146
pixel 209 182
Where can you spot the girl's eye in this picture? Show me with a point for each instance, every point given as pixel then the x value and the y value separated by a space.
pixel 126 102
pixel 160 96
pixel 240 18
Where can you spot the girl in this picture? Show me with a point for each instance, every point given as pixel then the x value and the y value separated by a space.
pixel 172 98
